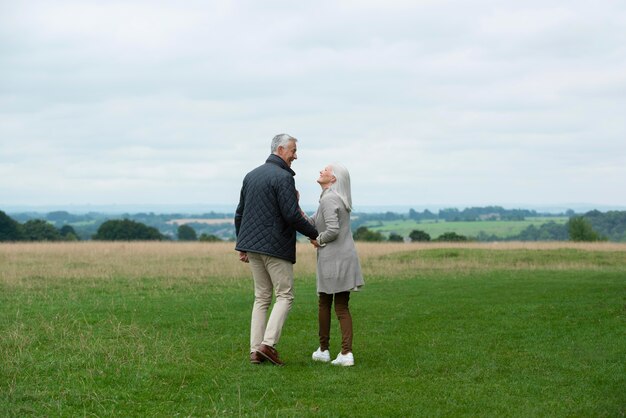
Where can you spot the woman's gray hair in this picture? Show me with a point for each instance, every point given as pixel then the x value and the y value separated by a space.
pixel 342 184
pixel 281 140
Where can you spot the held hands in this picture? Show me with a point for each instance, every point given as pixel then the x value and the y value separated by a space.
pixel 304 215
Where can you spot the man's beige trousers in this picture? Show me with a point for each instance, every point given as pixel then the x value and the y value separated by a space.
pixel 271 275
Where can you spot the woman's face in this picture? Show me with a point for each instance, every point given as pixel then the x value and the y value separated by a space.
pixel 326 177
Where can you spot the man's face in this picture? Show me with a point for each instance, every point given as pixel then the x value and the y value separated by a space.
pixel 288 153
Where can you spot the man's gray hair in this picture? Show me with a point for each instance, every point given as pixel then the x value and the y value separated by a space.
pixel 281 140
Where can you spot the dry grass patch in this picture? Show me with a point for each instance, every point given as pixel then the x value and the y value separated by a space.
pixel 26 264
pixel 407 260
pixel 43 264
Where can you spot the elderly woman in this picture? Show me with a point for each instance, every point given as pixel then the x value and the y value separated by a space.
pixel 338 267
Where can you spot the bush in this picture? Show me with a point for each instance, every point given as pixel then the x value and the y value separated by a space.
pixel 416 235
pixel 209 238
pixel 364 234
pixel 451 237
pixel 68 233
pixel 393 237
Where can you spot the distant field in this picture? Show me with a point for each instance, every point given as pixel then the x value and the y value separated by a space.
pixel 209 221
pixel 501 229
pixel 441 329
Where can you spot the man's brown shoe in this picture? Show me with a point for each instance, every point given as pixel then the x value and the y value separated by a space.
pixel 270 354
pixel 256 358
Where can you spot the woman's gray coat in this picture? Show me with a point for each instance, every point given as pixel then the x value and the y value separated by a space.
pixel 338 267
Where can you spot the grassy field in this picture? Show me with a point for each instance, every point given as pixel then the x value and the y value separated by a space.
pixel 501 229
pixel 161 329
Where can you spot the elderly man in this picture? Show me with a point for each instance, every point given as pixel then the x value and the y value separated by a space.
pixel 266 221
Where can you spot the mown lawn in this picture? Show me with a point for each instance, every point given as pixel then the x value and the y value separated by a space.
pixel 459 331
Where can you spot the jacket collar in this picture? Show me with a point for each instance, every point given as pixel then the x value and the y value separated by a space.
pixel 275 159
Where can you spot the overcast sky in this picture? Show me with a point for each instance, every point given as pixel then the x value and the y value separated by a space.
pixel 452 103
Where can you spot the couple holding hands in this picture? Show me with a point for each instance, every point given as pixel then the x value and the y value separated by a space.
pixel 266 221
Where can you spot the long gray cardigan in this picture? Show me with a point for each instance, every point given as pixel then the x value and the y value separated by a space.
pixel 338 267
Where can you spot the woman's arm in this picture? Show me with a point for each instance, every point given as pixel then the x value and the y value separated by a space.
pixel 329 208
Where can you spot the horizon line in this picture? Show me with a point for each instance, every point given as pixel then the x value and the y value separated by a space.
pixel 194 208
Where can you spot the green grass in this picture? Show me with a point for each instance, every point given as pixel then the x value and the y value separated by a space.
pixel 502 229
pixel 506 341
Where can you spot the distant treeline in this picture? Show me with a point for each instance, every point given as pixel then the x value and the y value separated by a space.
pixel 86 225
pixel 61 225
pixel 109 230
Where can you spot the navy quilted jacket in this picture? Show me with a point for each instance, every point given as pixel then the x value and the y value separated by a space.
pixel 268 214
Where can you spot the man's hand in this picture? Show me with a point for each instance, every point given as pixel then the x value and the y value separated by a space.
pixel 315 243
pixel 243 257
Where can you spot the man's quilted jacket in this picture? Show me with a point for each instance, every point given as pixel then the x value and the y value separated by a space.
pixel 268 214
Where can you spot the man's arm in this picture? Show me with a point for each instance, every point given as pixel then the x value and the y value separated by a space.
pixel 239 211
pixel 290 210
pixel 243 256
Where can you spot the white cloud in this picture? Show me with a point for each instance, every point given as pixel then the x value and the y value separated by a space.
pixel 425 102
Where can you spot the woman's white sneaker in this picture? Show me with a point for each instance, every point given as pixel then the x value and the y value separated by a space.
pixel 323 356
pixel 343 360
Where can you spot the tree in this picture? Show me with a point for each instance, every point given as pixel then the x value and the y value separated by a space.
pixel 68 233
pixel 127 230
pixel 364 234
pixel 417 235
pixel 580 230
pixel 187 233
pixel 451 237
pixel 393 237
pixel 10 230
pixel 40 230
